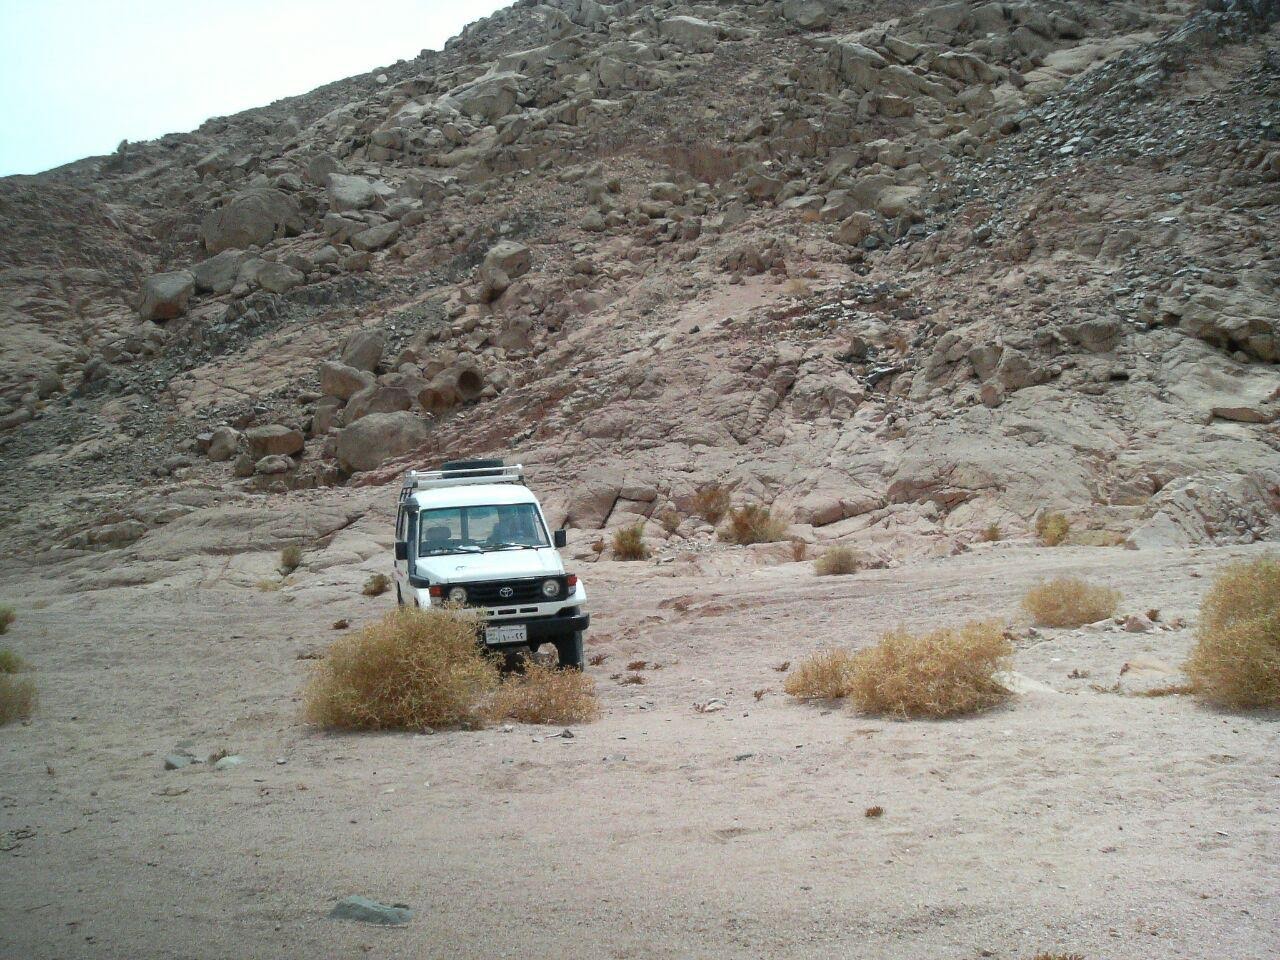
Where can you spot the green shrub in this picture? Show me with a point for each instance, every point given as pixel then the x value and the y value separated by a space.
pixel 628 543
pixel 837 561
pixel 753 524
pixel 1052 528
pixel 1236 660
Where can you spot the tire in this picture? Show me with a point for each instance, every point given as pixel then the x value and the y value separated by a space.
pixel 570 651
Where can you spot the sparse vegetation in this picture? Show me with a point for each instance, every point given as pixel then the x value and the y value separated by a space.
pixel 544 694
pixel 1058 956
pixel 836 562
pixel 376 585
pixel 711 502
pixel 797 287
pixel 411 669
pixel 668 519
pixel 753 523
pixel 944 673
pixel 873 812
pixel 1069 602
pixel 1236 660
pixel 991 533
pixel 17 694
pixel 7 616
pixel 799 550
pixel 628 543
pixel 1052 528
pixel 269 586
pixel 597 658
pixel 290 558
pixel 824 676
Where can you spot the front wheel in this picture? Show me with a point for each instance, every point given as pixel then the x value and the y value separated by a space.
pixel 569 650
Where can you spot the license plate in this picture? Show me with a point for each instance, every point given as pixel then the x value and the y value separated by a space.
pixel 512 633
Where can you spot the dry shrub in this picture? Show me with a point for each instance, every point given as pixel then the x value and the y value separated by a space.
pixel 668 519
pixel 1044 955
pixel 290 558
pixel 991 533
pixel 838 561
pixel 941 674
pixel 797 287
pixel 873 812
pixel 1236 659
pixel 1069 602
pixel 7 616
pixel 543 694
pixel 409 670
pixel 597 658
pixel 753 524
pixel 17 694
pixel 799 550
pixel 1052 528
pixel 269 586
pixel 628 543
pixel 376 585
pixel 824 676
pixel 711 502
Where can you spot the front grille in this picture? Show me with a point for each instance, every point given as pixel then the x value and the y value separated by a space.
pixel 490 593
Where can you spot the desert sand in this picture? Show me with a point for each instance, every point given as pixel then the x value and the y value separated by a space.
pixel 1079 818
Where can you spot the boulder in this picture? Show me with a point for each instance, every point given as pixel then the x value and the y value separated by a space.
pixel 272 439
pixel 369 441
pixel 504 262
pixel 341 381
pixel 347 192
pixel 463 383
pixel 375 238
pixel 363 349
pixel 376 399
pixel 165 295
pixel 690 33
pixel 273 464
pixel 252 217
pixel 321 166
pixel 278 277
pixel 218 273
pixel 806 14
pixel 490 97
pixel 223 444
pixel 855 229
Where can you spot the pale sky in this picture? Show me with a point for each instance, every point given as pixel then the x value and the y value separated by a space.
pixel 79 76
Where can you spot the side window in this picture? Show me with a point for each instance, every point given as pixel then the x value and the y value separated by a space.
pixel 400 523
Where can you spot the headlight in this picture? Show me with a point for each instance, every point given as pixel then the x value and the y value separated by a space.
pixel 551 589
pixel 457 595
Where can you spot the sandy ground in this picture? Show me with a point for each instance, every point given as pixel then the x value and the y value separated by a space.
pixel 1073 820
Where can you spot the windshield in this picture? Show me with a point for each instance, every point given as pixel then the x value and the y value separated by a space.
pixel 508 526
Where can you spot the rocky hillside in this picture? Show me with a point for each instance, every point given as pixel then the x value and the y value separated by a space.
pixel 898 271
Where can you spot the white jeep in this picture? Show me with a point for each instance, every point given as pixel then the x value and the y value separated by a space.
pixel 472 534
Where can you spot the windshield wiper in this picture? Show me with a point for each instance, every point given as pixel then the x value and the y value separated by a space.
pixel 513 546
pixel 443 551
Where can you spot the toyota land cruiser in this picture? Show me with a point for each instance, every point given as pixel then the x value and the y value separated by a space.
pixel 472 534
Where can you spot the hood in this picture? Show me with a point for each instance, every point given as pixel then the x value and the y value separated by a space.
pixel 497 565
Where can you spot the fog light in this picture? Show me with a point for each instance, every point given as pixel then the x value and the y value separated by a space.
pixel 551 589
pixel 458 595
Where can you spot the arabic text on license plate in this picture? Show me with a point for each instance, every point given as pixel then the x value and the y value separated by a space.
pixel 515 633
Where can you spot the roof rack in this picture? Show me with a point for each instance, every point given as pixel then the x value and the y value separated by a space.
pixel 415 480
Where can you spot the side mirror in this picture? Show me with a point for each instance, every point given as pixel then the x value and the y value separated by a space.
pixel 561 538
pixel 402 550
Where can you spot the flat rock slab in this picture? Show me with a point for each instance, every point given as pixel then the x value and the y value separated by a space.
pixel 370 911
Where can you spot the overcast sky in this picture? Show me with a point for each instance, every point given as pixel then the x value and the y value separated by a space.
pixel 79 76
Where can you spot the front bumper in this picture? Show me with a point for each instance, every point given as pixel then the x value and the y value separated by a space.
pixel 542 629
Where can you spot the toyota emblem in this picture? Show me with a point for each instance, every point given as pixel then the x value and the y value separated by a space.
pixel 506 592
